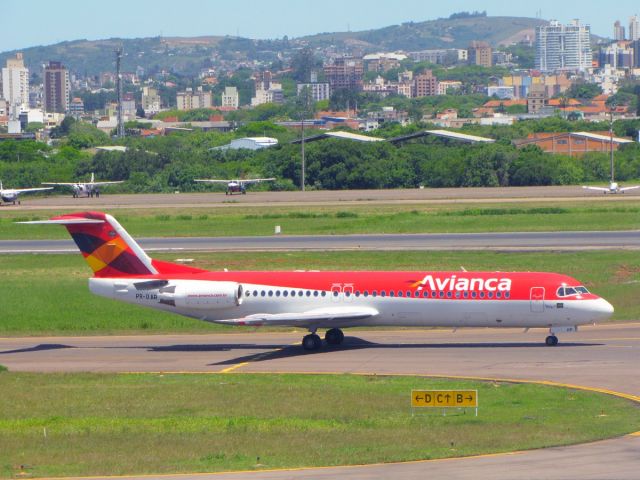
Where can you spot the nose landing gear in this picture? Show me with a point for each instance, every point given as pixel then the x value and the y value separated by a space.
pixel 551 341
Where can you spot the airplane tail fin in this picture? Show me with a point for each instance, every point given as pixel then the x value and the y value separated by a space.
pixel 109 249
pixel 92 177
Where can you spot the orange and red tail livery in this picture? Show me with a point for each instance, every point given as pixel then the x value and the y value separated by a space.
pixel 103 246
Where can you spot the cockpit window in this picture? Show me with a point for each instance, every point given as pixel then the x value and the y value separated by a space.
pixel 570 291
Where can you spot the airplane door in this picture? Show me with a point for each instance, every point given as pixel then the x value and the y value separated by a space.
pixel 537 299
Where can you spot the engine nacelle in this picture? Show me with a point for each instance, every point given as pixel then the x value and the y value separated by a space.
pixel 201 295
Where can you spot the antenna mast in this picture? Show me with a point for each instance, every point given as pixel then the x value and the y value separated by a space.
pixel 120 129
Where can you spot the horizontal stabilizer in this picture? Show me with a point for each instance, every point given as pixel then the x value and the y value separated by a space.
pixel 65 221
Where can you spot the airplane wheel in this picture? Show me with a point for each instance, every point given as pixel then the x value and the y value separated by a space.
pixel 311 342
pixel 334 336
pixel 551 341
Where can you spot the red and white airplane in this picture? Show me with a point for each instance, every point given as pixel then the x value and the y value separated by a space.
pixel 235 186
pixel 328 300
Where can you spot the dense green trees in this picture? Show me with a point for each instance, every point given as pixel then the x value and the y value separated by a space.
pixel 169 163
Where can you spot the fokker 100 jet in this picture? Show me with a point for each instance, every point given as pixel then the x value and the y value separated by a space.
pixel 328 300
pixel 235 186
pixel 89 189
pixel 10 195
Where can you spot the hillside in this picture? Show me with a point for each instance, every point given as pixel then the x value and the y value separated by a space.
pixel 440 33
pixel 188 55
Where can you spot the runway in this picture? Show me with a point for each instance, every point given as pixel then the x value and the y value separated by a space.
pixel 217 199
pixel 529 241
pixel 601 357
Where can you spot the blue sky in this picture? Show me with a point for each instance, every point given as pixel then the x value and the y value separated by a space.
pixel 27 23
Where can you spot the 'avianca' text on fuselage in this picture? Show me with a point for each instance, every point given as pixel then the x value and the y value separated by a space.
pixel 328 300
pixel 464 284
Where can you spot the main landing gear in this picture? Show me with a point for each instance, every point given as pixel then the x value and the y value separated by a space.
pixel 551 341
pixel 313 342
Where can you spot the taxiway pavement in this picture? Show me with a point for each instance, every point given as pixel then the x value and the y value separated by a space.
pixel 218 199
pixel 436 241
pixel 603 357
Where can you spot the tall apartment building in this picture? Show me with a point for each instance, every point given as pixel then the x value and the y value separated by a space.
pixel 150 100
pixel 425 84
pixel 618 31
pixel 345 72
pixel 563 47
pixel 617 55
pixel 56 88
pixel 190 100
pixel 15 85
pixel 230 98
pixel 318 91
pixel 480 53
pixel 634 28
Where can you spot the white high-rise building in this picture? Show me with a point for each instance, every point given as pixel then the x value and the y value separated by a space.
pixel 634 28
pixel 15 85
pixel 230 97
pixel 563 47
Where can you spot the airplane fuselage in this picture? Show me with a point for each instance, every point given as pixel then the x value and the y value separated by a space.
pixel 456 299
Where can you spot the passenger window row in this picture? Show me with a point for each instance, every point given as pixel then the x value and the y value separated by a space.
pixel 375 293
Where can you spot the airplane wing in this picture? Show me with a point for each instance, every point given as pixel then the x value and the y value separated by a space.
pixel 599 189
pixel 257 180
pixel 318 317
pixel 112 182
pixel 60 183
pixel 626 189
pixel 24 190
pixel 211 180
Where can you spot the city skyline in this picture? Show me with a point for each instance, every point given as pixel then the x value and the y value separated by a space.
pixel 250 19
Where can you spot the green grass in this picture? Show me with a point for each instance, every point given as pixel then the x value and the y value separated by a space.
pixel 105 424
pixel 434 218
pixel 48 294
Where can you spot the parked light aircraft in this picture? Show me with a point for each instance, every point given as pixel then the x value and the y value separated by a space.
pixel 235 186
pixel 10 195
pixel 89 188
pixel 331 300
pixel 612 188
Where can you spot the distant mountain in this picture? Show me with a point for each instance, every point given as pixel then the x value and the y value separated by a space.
pixel 440 33
pixel 187 55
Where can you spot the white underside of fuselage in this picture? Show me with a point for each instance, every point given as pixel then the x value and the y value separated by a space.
pixel 391 311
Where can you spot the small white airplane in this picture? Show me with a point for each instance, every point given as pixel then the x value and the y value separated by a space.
pixel 613 188
pixel 10 195
pixel 235 186
pixel 89 188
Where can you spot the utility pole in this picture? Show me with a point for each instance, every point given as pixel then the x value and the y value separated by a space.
pixel 302 151
pixel 120 129
pixel 611 142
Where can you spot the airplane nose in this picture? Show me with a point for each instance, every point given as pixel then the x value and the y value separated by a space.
pixel 602 308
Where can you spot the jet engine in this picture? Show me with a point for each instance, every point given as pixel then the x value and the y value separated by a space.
pixel 201 295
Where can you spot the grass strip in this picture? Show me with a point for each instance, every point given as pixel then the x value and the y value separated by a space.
pixel 433 218
pixel 106 424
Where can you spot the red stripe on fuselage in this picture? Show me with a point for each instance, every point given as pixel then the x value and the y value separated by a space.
pixel 520 283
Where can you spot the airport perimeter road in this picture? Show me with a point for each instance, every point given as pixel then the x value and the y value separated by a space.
pixel 602 357
pixel 322 197
pixel 435 241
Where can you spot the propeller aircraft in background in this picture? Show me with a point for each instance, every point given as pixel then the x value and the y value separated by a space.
pixel 235 186
pixel 10 195
pixel 88 189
